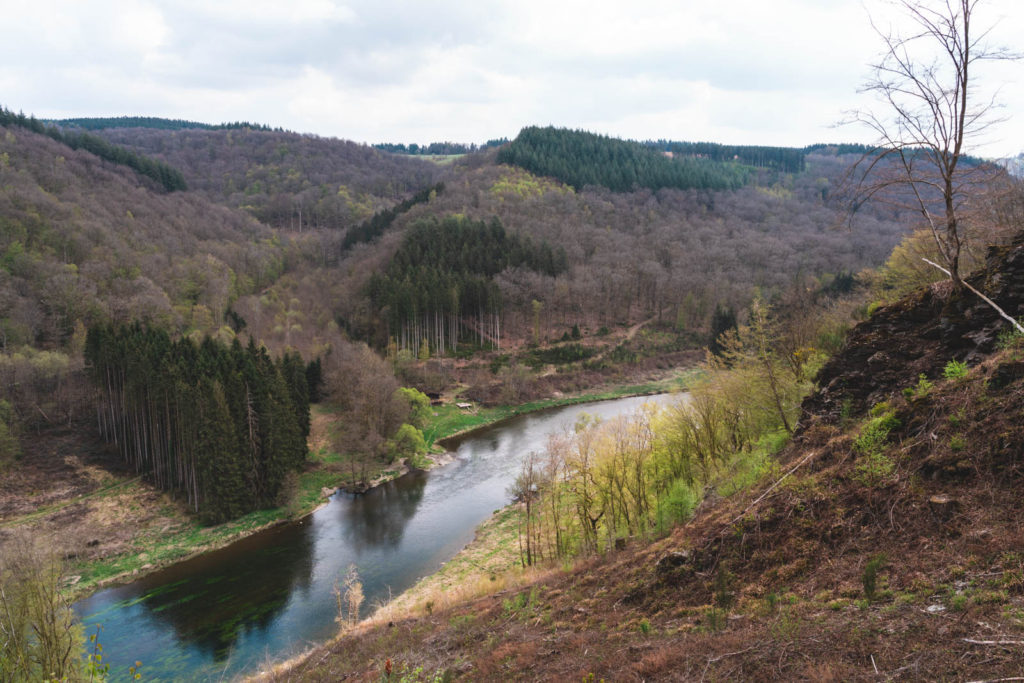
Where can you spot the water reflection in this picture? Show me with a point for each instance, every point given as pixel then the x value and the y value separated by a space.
pixel 271 595
pixel 209 602
pixel 379 517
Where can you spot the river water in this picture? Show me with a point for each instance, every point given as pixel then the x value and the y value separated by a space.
pixel 271 595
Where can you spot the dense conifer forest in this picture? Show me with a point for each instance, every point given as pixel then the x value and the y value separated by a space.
pixel 439 286
pixel 579 159
pixel 221 424
pixel 788 159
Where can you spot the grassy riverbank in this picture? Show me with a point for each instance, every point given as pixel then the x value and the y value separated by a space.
pixel 449 420
pixel 134 530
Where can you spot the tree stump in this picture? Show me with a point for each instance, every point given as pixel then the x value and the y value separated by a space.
pixel 943 506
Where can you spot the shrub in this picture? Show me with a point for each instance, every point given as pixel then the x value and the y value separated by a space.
pixel 870 576
pixel 954 370
pixel 419 406
pixel 1010 336
pixel 923 388
pixel 874 465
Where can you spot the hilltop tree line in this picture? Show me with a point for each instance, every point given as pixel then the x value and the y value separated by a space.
pixel 382 220
pixel 438 148
pixel 786 159
pixel 579 159
pixel 439 285
pixel 222 425
pixel 168 177
pixel 100 123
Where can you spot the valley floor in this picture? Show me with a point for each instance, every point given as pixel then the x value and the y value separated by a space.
pixel 111 526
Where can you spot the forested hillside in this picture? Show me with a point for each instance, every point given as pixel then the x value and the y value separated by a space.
pixel 86 241
pixel 286 180
pixel 83 240
pixel 582 159
pixel 510 271
pixel 439 286
pixel 170 179
pixel 672 254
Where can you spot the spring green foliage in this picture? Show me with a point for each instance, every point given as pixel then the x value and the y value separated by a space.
pixel 1010 336
pixel 408 443
pixel 39 636
pixel 723 320
pixel 419 406
pixel 637 476
pixel 873 465
pixel 169 178
pixel 954 370
pixel 578 158
pixel 923 387
pixel 223 425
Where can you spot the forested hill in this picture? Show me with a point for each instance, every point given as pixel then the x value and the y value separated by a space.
pixel 286 180
pixel 670 254
pixel 82 240
pixel 167 177
pixel 100 123
pixel 582 159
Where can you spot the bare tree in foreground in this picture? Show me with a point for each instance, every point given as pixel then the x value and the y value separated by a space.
pixel 926 81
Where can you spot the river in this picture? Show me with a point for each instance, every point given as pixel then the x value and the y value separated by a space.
pixel 271 595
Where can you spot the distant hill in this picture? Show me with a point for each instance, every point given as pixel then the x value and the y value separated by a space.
pixel 286 180
pixel 1014 165
pixel 331 213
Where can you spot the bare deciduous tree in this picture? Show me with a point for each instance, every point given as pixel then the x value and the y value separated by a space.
pixel 927 82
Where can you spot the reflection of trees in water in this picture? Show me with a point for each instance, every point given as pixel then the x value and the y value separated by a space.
pixel 379 517
pixel 241 590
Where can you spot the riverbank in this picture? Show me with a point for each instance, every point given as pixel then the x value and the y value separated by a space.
pixel 113 528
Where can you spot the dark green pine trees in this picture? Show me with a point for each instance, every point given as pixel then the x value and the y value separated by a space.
pixel 580 159
pixel 221 425
pixel 439 285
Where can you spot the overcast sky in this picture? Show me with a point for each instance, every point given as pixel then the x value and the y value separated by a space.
pixel 778 72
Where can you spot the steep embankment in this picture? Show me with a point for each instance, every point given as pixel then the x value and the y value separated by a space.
pixel 886 546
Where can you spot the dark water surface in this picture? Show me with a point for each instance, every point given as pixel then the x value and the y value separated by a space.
pixel 270 595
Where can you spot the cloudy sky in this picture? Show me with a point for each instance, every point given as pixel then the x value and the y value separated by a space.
pixel 733 71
